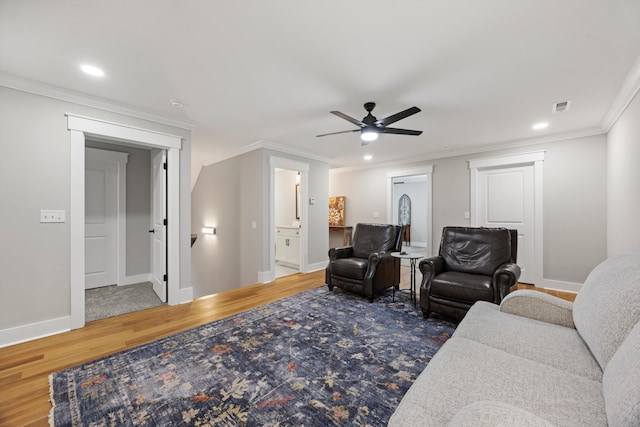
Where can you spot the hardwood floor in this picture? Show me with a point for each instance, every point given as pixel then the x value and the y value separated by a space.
pixel 24 368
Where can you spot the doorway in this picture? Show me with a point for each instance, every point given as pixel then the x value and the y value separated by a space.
pixel 294 180
pixel 83 127
pixel 287 220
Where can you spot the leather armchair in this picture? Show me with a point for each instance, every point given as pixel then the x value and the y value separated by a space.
pixel 474 264
pixel 367 266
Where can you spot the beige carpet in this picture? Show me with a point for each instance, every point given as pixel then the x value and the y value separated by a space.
pixel 110 301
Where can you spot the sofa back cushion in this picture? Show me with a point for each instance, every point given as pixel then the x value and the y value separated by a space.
pixel 475 250
pixel 608 305
pixel 620 383
pixel 370 238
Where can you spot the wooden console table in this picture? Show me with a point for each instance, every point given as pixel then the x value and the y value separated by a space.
pixel 345 231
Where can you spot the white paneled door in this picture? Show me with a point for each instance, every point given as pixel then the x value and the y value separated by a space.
pixel 159 227
pixel 103 171
pixel 505 198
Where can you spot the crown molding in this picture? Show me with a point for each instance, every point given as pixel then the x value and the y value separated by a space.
pixel 628 91
pixel 265 144
pixel 43 89
pixel 557 137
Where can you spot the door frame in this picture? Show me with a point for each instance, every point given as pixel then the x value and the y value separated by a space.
pixel 284 163
pixel 422 170
pixel 81 126
pixel 121 160
pixel 535 159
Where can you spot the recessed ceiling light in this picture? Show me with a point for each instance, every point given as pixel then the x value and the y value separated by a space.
pixel 92 70
pixel 177 103
pixel 368 157
pixel 540 125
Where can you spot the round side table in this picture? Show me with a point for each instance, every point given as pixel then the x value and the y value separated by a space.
pixel 412 257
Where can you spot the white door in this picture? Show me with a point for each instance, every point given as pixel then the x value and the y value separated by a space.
pixel 100 236
pixel 158 223
pixel 505 198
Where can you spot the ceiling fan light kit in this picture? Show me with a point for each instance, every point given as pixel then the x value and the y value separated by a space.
pixel 370 127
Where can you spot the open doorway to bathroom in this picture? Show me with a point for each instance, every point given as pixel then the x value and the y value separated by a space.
pixel 288 214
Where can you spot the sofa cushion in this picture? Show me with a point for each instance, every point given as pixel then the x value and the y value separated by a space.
pixel 608 305
pixel 488 413
pixel 462 286
pixel 475 250
pixel 464 371
pixel 551 345
pixel 621 382
pixel 353 268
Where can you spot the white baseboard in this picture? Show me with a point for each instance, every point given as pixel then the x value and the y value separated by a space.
pixel 317 266
pixel 138 278
pixel 33 331
pixel 266 276
pixel 559 285
pixel 186 295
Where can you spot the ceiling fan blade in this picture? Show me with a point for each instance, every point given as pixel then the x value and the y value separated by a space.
pixel 398 116
pixel 349 118
pixel 401 131
pixel 336 133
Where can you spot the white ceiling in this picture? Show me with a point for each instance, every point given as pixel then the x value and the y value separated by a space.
pixel 483 72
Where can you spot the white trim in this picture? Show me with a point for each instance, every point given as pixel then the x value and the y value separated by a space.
pixel 422 170
pixel 266 276
pixel 303 168
pixel 43 89
pixel 559 285
pixel 115 131
pixel 138 278
pixel 121 160
pixel 186 295
pixel 76 227
pixel 34 331
pixel 77 127
pixel 535 159
pixel 628 91
pixel 317 266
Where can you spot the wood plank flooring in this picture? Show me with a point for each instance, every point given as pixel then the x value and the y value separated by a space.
pixel 24 368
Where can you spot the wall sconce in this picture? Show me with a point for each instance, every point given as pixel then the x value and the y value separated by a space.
pixel 209 230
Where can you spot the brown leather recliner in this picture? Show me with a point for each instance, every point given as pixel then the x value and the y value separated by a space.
pixel 367 266
pixel 474 264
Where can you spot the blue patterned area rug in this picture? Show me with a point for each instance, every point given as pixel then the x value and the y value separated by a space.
pixel 315 359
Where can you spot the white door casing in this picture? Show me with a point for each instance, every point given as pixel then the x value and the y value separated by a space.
pixel 105 218
pixel 507 192
pixel 79 127
pixel 158 227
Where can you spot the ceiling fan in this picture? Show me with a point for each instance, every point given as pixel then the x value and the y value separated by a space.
pixel 370 126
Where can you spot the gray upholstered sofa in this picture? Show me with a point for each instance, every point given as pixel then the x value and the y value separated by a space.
pixel 537 360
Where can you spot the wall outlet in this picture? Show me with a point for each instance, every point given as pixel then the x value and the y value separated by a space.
pixel 52 216
pixel 254 225
pixel 376 214
pixel 466 215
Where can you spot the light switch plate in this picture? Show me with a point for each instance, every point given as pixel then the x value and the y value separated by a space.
pixel 52 216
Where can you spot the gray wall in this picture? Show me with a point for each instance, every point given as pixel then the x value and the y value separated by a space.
pixel 34 172
pixel 138 209
pixel 623 205
pixel 574 205
pixel 232 194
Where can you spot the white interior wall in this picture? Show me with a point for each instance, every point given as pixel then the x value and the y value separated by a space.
pixel 574 206
pixel 285 194
pixel 35 257
pixel 623 184
pixel 416 191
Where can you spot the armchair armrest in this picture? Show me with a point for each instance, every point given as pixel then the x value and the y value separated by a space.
pixel 539 306
pixel 429 267
pixel 505 276
pixel 337 253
